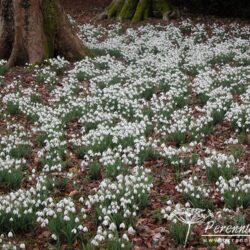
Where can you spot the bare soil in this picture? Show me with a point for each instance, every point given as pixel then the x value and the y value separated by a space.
pixel 84 10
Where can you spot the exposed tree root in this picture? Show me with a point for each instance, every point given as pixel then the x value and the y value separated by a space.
pixel 138 10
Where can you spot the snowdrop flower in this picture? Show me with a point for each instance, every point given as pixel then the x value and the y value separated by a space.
pixel 125 237
pixel 66 218
pixel 131 230
pixel 94 242
pixel 112 227
pixel 122 225
pixel 54 237
pixel 110 236
pixel 10 234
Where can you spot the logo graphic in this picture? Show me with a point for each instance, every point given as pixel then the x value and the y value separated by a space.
pixel 190 216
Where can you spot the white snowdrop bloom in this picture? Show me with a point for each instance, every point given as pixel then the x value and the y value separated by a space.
pixel 59 210
pixel 105 223
pixel 66 218
pixel 54 237
pixel 169 202
pixel 168 208
pixel 94 242
pixel 10 234
pixel 110 236
pixel 122 226
pixel 131 230
pixel 43 224
pixel 112 227
pixel 99 230
pixel 100 237
pixel 125 237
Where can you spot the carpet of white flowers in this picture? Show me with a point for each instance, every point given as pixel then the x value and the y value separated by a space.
pixel 96 154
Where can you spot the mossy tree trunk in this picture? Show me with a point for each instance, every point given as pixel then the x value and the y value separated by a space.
pixel 137 10
pixel 33 30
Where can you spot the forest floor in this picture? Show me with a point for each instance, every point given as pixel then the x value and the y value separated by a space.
pixel 109 152
pixel 85 11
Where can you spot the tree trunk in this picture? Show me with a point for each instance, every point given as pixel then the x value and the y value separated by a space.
pixel 137 10
pixel 33 30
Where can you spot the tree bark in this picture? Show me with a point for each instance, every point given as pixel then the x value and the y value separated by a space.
pixel 6 28
pixel 138 10
pixel 34 30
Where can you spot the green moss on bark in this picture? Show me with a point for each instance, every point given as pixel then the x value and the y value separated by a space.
pixel 142 10
pixel 50 23
pixel 128 9
pixel 115 8
pixel 137 10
